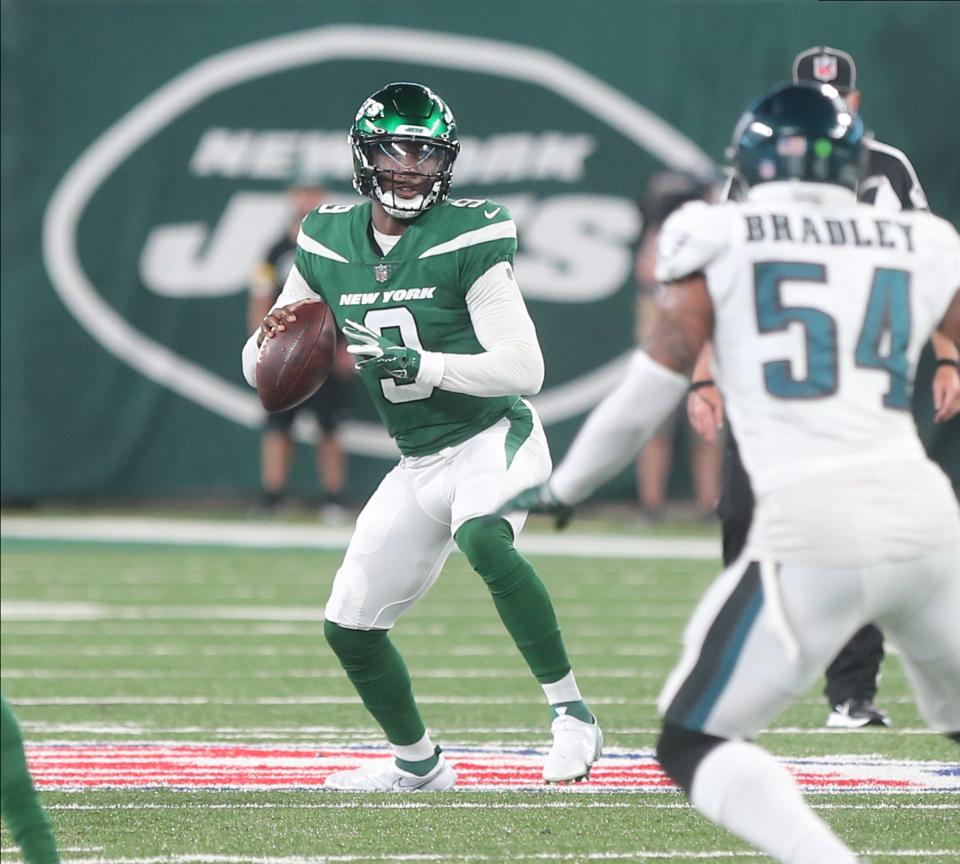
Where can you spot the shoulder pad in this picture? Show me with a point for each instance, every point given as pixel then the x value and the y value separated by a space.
pixel 691 238
pixel 327 229
pixel 322 214
pixel 473 212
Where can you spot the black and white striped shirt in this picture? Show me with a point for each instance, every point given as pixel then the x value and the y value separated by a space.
pixel 891 181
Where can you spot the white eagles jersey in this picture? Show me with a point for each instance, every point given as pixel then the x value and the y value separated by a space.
pixel 822 306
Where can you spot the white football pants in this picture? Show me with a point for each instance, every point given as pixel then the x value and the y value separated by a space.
pixel 405 532
pixel 764 632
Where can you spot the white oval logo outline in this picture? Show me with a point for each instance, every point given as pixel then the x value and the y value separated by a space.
pixel 276 54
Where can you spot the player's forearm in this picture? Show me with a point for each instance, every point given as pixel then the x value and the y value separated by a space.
pixel 618 428
pixel 702 370
pixel 944 347
pixel 504 370
pixel 511 362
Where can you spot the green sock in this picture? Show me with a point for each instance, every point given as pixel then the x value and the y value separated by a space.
pixel 376 669
pixel 518 593
pixel 421 767
pixel 576 709
pixel 20 806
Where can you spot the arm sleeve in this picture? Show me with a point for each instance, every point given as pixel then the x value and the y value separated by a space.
pixel 618 427
pixel 511 361
pixel 294 289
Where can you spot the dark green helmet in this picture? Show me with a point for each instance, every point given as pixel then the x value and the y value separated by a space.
pixel 801 131
pixel 405 142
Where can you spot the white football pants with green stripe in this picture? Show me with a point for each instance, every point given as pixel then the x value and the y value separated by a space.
pixel 405 532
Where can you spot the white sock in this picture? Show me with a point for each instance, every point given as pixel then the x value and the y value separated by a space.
pixel 744 789
pixel 564 690
pixel 416 752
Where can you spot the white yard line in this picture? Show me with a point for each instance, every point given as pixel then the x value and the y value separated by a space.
pixel 435 699
pixel 632 855
pixel 39 610
pixel 157 647
pixel 54 701
pixel 269 535
pixel 409 857
pixel 463 805
pixel 337 734
pixel 273 674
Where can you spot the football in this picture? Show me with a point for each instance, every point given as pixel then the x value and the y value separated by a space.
pixel 294 364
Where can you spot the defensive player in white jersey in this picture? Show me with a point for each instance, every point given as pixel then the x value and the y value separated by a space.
pixel 818 307
pixel 423 287
pixel 890 183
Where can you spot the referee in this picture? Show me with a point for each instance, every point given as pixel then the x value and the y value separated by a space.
pixel 891 183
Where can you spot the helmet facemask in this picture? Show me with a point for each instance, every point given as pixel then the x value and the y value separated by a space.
pixel 406 174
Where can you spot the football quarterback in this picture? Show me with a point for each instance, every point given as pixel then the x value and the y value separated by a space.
pixel 423 287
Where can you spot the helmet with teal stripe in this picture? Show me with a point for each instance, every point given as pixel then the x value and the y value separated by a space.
pixel 404 141
pixel 802 131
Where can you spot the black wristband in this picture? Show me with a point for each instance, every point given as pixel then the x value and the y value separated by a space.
pixel 699 385
pixel 946 361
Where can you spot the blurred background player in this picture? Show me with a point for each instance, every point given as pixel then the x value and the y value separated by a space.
pixel 328 405
pixel 666 191
pixel 424 289
pixel 22 811
pixel 890 182
pixel 853 523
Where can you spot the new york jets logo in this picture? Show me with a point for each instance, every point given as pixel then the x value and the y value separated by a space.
pixel 578 225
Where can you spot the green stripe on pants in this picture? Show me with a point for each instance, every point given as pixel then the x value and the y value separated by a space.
pixel 521 425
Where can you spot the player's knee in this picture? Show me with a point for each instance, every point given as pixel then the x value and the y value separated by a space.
pixel 680 751
pixel 354 648
pixel 487 542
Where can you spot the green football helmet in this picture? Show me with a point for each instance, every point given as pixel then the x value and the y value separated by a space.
pixel 404 141
pixel 801 131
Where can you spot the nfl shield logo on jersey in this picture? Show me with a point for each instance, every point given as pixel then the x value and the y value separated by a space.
pixel 381 272
pixel 825 67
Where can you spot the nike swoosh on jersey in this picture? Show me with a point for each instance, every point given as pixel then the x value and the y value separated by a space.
pixel 489 214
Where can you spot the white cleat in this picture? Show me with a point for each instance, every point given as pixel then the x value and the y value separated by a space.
pixel 385 776
pixel 855 714
pixel 576 746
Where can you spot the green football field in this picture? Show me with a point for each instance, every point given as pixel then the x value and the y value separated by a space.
pixel 180 705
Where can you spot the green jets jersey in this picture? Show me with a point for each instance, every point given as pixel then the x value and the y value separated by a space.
pixel 416 296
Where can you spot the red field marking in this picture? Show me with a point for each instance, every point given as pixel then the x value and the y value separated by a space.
pixel 201 766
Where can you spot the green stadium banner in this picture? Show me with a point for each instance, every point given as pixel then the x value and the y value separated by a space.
pixel 147 148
